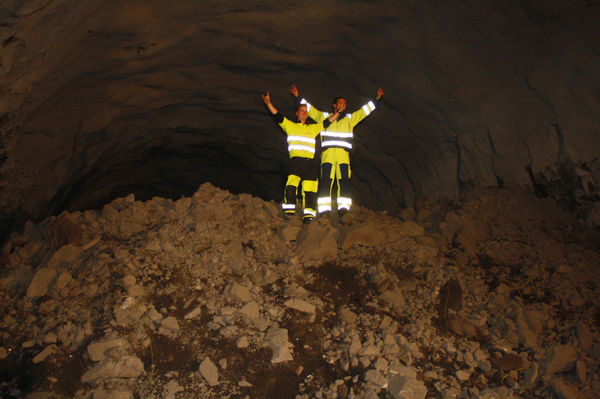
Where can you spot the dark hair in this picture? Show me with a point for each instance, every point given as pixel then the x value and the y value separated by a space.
pixel 335 100
pixel 300 105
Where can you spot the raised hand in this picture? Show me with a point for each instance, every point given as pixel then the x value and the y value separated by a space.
pixel 266 97
pixel 294 91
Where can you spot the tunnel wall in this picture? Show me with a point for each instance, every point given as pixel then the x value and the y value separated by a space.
pixel 103 98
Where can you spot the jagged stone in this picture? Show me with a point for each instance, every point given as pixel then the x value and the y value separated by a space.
pixel 410 229
pixel 250 312
pixel 171 389
pixel 346 315
pixel 375 377
pixel 238 293
pixel 317 242
pixel 560 358
pixel 41 282
pixel 97 351
pixel 65 256
pixel 402 387
pixel 169 326
pixel 277 340
pixel 20 276
pixel 193 313
pixel 366 234
pixel 64 278
pixel 242 342
pixel 127 367
pixel 49 350
pixel 395 298
pixel 564 390
pixel 301 306
pixel 209 372
pixel 288 232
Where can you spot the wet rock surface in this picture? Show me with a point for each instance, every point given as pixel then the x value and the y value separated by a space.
pixel 492 297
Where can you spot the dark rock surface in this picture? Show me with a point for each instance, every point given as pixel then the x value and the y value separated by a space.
pixel 181 299
pixel 99 99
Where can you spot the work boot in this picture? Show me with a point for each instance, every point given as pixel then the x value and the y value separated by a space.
pixel 288 216
pixel 342 212
pixel 308 219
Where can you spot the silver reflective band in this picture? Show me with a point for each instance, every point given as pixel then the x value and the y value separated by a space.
pixel 302 139
pixel 301 147
pixel 288 206
pixel 368 107
pixel 324 208
pixel 337 134
pixel 326 114
pixel 310 212
pixel 324 200
pixel 336 143
pixel 344 201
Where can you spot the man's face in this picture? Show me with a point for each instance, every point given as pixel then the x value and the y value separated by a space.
pixel 301 113
pixel 340 105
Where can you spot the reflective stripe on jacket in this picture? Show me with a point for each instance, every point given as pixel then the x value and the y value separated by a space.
pixel 301 138
pixel 339 133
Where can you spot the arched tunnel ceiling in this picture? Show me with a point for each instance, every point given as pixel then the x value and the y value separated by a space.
pixel 103 98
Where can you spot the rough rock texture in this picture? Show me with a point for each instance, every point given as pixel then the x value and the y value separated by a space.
pixel 495 298
pixel 100 99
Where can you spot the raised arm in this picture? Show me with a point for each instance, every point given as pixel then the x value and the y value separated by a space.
pixel 315 114
pixel 267 99
pixel 366 109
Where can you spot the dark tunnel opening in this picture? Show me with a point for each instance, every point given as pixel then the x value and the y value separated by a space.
pixel 173 172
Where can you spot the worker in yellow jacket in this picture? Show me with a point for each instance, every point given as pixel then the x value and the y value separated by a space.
pixel 336 144
pixel 301 138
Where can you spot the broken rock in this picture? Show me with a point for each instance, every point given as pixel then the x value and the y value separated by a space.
pixel 209 371
pixel 317 242
pixel 127 367
pixel 402 387
pixel 41 282
pixel 277 340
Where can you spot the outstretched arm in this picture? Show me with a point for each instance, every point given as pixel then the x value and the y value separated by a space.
pixel 267 99
pixel 314 113
pixel 366 109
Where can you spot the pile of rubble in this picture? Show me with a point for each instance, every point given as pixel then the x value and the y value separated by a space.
pixel 217 296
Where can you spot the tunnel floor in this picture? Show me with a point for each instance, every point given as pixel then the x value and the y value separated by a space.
pixel 217 295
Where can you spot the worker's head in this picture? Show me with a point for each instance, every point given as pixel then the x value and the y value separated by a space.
pixel 301 113
pixel 339 104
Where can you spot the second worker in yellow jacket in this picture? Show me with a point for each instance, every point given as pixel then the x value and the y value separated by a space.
pixel 336 144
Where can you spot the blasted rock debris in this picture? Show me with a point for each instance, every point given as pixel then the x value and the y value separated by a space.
pixel 217 296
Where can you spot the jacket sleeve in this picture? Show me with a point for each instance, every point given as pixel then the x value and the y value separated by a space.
pixel 285 123
pixel 314 113
pixel 363 112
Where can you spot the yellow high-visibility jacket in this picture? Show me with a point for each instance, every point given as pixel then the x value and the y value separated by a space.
pixel 301 138
pixel 340 132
